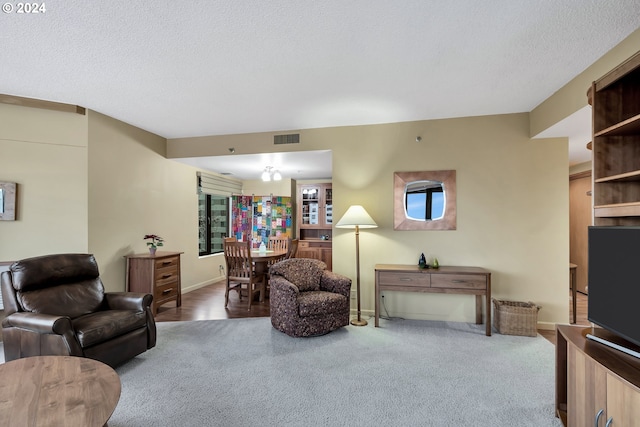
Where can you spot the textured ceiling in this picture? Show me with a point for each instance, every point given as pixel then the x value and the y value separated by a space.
pixel 194 68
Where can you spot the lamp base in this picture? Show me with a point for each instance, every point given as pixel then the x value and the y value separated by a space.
pixel 359 322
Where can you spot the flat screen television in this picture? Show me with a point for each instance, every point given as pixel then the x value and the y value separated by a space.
pixel 614 283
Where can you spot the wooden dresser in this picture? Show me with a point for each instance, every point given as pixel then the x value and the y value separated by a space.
pixel 158 275
pixel 444 280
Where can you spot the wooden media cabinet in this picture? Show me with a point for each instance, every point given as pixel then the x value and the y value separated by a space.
pixel 595 385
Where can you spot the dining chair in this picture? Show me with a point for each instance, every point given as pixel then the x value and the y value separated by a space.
pixel 276 244
pixel 241 272
pixel 293 248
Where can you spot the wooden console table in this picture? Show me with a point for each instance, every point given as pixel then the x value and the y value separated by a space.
pixel 444 280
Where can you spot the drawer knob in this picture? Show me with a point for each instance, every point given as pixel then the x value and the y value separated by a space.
pixel 166 291
pixel 405 279
pixel 166 276
pixel 166 262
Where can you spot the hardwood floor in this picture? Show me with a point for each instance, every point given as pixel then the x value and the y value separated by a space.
pixel 581 316
pixel 207 303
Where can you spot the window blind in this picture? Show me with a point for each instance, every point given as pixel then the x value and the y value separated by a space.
pixel 218 185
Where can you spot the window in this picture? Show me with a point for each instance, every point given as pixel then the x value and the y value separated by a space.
pixel 214 192
pixel 426 204
pixel 213 220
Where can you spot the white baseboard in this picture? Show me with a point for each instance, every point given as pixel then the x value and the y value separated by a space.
pixel 202 284
pixel 546 326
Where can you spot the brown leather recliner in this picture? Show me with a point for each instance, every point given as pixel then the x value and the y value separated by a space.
pixel 56 305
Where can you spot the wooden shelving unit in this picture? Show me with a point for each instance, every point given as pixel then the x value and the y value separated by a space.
pixel 616 145
pixel 314 221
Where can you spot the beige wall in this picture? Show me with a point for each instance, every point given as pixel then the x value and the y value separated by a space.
pixel 512 206
pixel 45 153
pixel 581 167
pixel 134 190
pixel 573 96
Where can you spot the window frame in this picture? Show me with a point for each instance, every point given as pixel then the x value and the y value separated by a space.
pixel 206 219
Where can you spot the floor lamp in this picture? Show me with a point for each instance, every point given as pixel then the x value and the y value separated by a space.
pixel 357 217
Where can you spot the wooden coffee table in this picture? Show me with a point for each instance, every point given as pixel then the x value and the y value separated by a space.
pixel 57 391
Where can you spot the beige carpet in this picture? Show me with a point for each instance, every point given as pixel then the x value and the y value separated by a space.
pixel 243 372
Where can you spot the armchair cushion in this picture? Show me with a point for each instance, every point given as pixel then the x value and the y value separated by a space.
pixel 102 326
pixel 305 273
pixel 314 303
pixel 47 271
pixel 71 300
pixel 64 285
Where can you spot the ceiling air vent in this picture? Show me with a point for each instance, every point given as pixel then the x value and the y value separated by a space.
pixel 293 138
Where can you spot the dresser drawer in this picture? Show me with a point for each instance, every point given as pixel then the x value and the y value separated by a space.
pixel 166 291
pixel 166 262
pixel 459 281
pixel 401 279
pixel 165 276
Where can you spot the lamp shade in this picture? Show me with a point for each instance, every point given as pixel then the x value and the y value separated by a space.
pixel 356 215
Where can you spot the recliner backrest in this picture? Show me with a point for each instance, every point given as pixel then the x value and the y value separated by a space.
pixel 63 285
pixel 305 273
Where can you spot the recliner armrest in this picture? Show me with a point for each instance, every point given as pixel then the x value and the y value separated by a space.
pixel 128 300
pixel 40 323
pixel 334 282
pixel 282 289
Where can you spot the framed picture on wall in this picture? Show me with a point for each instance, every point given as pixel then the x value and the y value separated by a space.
pixel 8 201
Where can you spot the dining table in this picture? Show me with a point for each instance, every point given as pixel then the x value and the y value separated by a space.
pixel 261 259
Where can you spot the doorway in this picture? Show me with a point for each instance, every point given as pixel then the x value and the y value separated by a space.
pixel 580 218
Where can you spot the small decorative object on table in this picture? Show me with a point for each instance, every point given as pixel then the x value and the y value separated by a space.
pixel 422 262
pixel 435 263
pixel 155 242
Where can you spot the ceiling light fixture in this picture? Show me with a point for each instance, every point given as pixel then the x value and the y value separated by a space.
pixel 271 174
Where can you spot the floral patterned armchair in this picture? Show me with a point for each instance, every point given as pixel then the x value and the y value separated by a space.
pixel 306 299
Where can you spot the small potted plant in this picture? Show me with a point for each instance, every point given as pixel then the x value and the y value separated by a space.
pixel 155 242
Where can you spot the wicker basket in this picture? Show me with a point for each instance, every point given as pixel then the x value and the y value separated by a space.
pixel 515 318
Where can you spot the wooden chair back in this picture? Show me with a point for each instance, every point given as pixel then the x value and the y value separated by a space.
pixel 293 248
pixel 241 271
pixel 278 243
pixel 238 258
